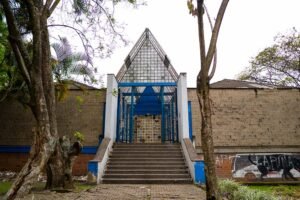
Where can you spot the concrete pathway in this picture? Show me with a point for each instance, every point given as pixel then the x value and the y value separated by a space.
pixel 126 192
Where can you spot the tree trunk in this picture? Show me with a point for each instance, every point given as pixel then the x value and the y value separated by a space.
pixel 203 79
pixel 207 140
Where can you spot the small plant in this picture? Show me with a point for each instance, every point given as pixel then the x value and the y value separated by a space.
pixel 79 101
pixel 232 190
pixel 79 136
pixel 228 187
pixel 115 92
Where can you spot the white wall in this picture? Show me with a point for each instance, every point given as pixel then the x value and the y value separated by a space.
pixel 111 109
pixel 182 98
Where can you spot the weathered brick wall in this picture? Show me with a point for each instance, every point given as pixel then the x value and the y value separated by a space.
pixel 251 118
pixel 15 161
pixel 80 111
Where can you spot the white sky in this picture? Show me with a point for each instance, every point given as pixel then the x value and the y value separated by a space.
pixel 248 27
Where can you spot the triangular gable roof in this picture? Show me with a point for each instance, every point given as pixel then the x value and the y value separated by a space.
pixel 147 62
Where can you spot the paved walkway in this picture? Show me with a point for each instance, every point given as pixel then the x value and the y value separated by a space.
pixel 126 192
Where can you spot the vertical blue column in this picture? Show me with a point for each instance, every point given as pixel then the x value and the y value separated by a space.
pixel 163 131
pixel 123 118
pixel 176 112
pixel 131 115
pixel 118 117
pixel 190 120
pixel 173 118
pixel 127 130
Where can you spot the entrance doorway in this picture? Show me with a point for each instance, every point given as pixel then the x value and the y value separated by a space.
pixel 147 113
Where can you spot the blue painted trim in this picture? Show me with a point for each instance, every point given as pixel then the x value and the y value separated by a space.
pixel 163 131
pixel 93 167
pixel 199 172
pixel 127 123
pixel 89 150
pixel 123 117
pixel 173 118
pixel 14 149
pixel 131 116
pixel 145 94
pixel 190 120
pixel 176 113
pixel 118 118
pixel 26 149
pixel 141 84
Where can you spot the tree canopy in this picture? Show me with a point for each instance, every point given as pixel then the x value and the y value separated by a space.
pixel 278 64
pixel 28 23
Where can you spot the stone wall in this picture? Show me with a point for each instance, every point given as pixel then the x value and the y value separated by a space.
pixel 251 119
pixel 80 111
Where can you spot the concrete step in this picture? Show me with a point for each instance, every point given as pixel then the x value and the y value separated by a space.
pixel 150 151
pixel 145 153
pixel 147 171
pixel 111 162
pixel 147 180
pixel 146 159
pixel 146 176
pixel 162 156
pixel 146 167
pixel 146 163
pixel 145 145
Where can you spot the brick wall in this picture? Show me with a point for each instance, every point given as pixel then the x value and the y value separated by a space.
pixel 251 118
pixel 15 161
pixel 80 111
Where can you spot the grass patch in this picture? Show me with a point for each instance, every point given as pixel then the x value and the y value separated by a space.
pixel 4 187
pixel 81 186
pixel 279 190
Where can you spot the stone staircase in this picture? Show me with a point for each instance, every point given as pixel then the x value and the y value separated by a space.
pixel 146 163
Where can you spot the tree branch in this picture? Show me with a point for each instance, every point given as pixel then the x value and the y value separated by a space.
pixel 16 42
pixel 212 73
pixel 52 8
pixel 215 33
pixel 201 37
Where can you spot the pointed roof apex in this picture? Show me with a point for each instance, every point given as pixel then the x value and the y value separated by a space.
pixel 148 56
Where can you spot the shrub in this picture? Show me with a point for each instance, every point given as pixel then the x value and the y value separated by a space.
pixel 232 190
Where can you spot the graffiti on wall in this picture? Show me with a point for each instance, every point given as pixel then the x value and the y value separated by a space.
pixel 266 166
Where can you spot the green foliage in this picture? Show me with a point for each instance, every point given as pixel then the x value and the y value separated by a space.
pixel 4 187
pixel 79 136
pixel 278 64
pixel 67 63
pixel 115 92
pixel 79 101
pixel 234 191
pixel 228 187
pixel 279 190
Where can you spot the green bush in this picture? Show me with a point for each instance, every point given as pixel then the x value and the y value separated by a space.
pixel 232 190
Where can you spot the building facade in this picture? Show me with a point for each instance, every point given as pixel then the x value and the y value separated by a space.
pixel 256 128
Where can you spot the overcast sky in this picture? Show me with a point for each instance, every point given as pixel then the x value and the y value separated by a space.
pixel 248 27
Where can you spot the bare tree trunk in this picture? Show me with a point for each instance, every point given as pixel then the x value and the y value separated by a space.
pixel 207 140
pixel 203 79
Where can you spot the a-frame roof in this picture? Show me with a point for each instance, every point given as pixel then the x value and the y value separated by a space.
pixel 147 62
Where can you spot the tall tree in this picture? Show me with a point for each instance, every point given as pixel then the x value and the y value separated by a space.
pixel 278 64
pixel 30 17
pixel 203 79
